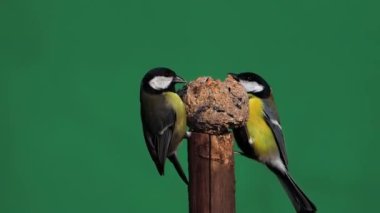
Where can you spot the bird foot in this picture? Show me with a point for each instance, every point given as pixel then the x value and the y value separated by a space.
pixel 188 135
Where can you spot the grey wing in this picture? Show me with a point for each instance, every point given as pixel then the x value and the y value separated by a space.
pixel 152 141
pixel 158 130
pixel 273 120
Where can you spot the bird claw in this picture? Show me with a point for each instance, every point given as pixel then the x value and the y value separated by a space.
pixel 188 135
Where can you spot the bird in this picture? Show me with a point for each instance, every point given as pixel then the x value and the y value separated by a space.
pixel 163 117
pixel 262 139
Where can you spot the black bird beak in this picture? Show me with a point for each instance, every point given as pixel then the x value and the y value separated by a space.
pixel 234 76
pixel 179 79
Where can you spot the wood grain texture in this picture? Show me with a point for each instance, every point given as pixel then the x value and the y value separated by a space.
pixel 212 177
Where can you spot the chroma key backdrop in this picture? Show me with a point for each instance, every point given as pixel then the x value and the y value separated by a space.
pixel 70 128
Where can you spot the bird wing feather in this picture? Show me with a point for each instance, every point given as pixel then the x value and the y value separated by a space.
pixel 242 138
pixel 273 120
pixel 158 133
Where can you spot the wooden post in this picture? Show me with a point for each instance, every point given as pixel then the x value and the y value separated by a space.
pixel 211 171
pixel 213 108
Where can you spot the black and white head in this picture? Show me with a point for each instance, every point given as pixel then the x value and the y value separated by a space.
pixel 253 84
pixel 160 79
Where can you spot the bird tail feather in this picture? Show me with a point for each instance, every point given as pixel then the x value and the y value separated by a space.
pixel 173 158
pixel 300 201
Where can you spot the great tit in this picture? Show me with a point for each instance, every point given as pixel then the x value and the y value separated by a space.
pixel 262 139
pixel 163 117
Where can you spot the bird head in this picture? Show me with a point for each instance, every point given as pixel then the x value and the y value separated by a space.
pixel 253 84
pixel 161 79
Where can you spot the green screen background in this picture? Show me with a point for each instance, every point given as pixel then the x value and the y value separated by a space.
pixel 70 129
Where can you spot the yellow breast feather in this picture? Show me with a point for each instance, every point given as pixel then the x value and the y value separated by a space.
pixel 179 107
pixel 262 138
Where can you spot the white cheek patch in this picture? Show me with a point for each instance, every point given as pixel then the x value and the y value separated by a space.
pixel 252 86
pixel 160 82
